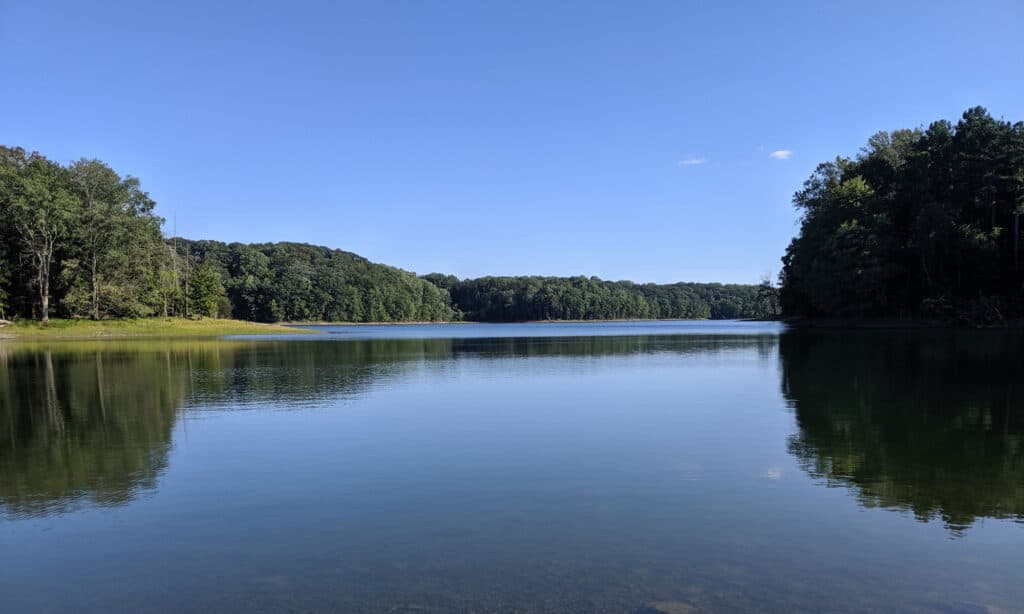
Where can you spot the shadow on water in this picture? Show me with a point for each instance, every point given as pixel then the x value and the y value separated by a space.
pixel 91 423
pixel 930 422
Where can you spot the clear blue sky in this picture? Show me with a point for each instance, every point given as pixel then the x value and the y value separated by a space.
pixel 496 138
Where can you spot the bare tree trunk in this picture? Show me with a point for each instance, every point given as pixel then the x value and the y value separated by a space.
pixel 43 256
pixel 44 289
pixel 163 284
pixel 95 291
pixel 188 265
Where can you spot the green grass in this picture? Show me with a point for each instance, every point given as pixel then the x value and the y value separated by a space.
pixel 143 327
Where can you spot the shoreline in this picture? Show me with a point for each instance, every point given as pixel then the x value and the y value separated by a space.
pixel 409 323
pixel 140 328
pixel 801 323
pixel 528 321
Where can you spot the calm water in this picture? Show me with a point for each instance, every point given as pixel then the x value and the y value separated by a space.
pixel 617 467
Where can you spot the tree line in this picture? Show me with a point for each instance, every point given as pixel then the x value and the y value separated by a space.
pixel 274 282
pixel 81 241
pixel 514 299
pixel 921 223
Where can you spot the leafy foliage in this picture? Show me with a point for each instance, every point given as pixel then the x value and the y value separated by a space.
pixel 508 299
pixel 272 282
pixel 73 238
pixel 81 241
pixel 920 223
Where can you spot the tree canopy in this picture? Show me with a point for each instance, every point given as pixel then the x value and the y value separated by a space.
pixel 270 282
pixel 510 299
pixel 922 222
pixel 82 241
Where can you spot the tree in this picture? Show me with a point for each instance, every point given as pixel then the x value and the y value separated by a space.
pixel 207 291
pixel 768 294
pixel 99 228
pixel 42 210
pixel 921 223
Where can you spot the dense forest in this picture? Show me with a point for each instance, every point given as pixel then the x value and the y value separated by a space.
pixel 273 282
pixel 512 299
pixel 81 241
pixel 921 223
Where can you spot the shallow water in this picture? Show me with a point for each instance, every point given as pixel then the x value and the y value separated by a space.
pixel 593 467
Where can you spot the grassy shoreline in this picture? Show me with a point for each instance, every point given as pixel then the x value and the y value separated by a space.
pixel 181 327
pixel 409 323
pixel 574 321
pixel 142 327
pixel 61 329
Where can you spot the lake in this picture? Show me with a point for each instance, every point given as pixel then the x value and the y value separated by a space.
pixel 586 467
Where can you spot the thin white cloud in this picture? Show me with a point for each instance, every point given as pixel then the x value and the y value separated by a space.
pixel 691 162
pixel 781 154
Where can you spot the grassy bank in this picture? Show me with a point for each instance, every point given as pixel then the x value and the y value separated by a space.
pixel 402 323
pixel 144 327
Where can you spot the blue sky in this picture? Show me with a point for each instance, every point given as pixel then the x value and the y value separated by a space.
pixel 496 138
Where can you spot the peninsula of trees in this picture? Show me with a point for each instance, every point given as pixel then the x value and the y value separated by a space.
pixel 923 223
pixel 80 241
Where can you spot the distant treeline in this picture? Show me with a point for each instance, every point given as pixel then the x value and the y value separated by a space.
pixel 512 299
pixel 922 223
pixel 79 240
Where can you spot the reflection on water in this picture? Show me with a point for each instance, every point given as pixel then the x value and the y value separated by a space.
pixel 83 425
pixel 594 473
pixel 93 421
pixel 926 421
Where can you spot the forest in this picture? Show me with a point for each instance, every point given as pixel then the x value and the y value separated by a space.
pixel 81 241
pixel 516 299
pixel 922 223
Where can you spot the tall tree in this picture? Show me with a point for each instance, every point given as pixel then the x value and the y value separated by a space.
pixel 207 291
pixel 920 223
pixel 42 209
pixel 100 227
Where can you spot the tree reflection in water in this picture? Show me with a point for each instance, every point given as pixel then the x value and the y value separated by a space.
pixel 926 421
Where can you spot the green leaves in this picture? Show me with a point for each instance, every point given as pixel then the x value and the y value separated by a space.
pixel 206 290
pixel 506 299
pixel 917 216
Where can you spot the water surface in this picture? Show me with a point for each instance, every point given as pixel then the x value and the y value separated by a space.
pixel 542 467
